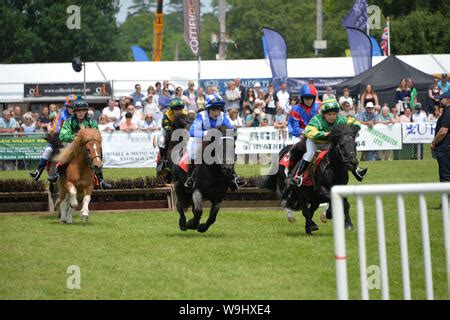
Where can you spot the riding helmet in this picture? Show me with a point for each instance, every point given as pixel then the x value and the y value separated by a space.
pixel 330 105
pixel 68 103
pixel 176 104
pixel 308 91
pixel 80 104
pixel 214 101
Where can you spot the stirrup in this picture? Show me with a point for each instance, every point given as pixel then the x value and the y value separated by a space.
pixel 53 178
pixel 105 185
pixel 35 175
pixel 298 181
pixel 240 182
pixel 189 183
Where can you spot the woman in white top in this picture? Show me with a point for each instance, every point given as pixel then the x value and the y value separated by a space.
pixel 104 125
pixel 434 116
pixel 235 120
pixel 329 94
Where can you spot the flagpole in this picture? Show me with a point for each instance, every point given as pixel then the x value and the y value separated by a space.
pixel 389 37
pixel 199 58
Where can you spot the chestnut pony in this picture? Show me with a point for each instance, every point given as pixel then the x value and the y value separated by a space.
pixel 82 157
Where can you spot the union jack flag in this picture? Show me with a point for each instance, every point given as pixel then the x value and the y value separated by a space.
pixel 384 40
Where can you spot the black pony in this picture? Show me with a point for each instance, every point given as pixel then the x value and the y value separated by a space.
pixel 211 182
pixel 164 167
pixel 332 170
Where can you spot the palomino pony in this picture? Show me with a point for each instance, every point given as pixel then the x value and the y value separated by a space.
pixel 211 182
pixel 82 157
pixel 332 170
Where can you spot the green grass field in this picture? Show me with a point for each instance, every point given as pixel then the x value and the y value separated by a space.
pixel 246 254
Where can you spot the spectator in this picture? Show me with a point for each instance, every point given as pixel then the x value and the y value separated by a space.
pixel 40 127
pixel 385 116
pixel 192 115
pixel 28 125
pixel 191 96
pixel 368 118
pixel 328 94
pixel 394 112
pixel 346 110
pixel 254 119
pixel 406 116
pixel 139 110
pixel 128 125
pixel 152 108
pixel 158 92
pixel 280 123
pixel 434 93
pixel 413 96
pixel 179 94
pixel 249 101
pixel 257 88
pixel 104 124
pixel 265 122
pixel 8 124
pixel 283 98
pixel 402 95
pixel 369 95
pixel 200 100
pixel 148 124
pixel 232 96
pixel 241 90
pixel 419 115
pixel 44 116
pixel 18 115
pixel 245 116
pixel 53 108
pixel 112 113
pixel 235 120
pixel 443 83
pixel 135 117
pixel 137 95
pixel 435 114
pixel 209 90
pixel 164 100
pixel 259 101
pixel 95 113
pixel 166 85
pixel 346 97
pixel 271 102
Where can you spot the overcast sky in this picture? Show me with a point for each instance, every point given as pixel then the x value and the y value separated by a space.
pixel 124 4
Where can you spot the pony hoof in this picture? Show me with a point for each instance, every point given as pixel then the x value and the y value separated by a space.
pixel 191 224
pixel 202 227
pixel 291 219
pixel 348 226
pixel 84 218
pixel 74 205
pixel 182 225
pixel 314 227
pixel 63 222
pixel 323 217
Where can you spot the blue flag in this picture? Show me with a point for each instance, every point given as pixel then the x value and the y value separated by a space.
pixel 376 51
pixel 277 52
pixel 361 48
pixel 139 54
pixel 357 16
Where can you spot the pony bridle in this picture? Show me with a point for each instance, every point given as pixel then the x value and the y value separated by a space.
pixel 97 155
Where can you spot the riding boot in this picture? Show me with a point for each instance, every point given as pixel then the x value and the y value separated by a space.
pixel 360 173
pixel 189 184
pixel 298 177
pixel 58 172
pixel 103 183
pixel 237 182
pixel 162 161
pixel 37 173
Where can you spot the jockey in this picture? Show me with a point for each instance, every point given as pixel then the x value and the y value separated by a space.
pixel 211 117
pixel 317 132
pixel 299 118
pixel 56 127
pixel 68 132
pixel 176 108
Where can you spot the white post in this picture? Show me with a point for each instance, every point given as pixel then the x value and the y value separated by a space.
pixel 389 36
pixel 446 222
pixel 426 246
pixel 199 58
pixel 382 248
pixel 403 247
pixel 339 246
pixel 362 248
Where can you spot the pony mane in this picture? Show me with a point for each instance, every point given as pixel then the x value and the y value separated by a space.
pixel 341 130
pixel 180 121
pixel 71 151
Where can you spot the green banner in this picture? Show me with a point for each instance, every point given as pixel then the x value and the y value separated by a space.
pixel 22 147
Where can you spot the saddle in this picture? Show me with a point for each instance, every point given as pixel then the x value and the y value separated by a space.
pixel 310 173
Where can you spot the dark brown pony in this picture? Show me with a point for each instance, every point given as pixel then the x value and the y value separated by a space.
pixel 82 157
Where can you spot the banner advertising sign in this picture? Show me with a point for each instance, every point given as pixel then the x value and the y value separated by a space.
pixel 261 140
pixel 191 15
pixel 222 84
pixel 35 90
pixel 130 150
pixel 379 137
pixel 416 132
pixel 22 147
pixel 277 53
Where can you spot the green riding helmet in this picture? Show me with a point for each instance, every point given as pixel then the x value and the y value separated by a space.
pixel 176 104
pixel 80 104
pixel 329 105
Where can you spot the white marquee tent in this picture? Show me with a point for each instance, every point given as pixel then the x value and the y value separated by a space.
pixel 123 75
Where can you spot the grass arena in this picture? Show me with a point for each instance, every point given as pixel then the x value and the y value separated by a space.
pixel 251 253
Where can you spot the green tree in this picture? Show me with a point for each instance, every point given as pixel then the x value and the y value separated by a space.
pixel 36 31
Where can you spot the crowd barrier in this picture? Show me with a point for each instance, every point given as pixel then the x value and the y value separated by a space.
pixel 140 149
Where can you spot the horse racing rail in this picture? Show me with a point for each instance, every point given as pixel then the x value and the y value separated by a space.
pixel 340 192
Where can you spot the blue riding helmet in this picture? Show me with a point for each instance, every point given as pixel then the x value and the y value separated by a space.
pixel 80 104
pixel 214 101
pixel 308 91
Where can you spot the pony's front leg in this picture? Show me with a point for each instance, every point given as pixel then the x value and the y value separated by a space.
pixel 63 209
pixel 86 201
pixel 211 219
pixel 182 220
pixel 73 194
pixel 197 199
pixel 348 220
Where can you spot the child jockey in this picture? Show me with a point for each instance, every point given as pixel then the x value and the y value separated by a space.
pixel 176 108
pixel 68 132
pixel 317 132
pixel 211 117
pixel 56 128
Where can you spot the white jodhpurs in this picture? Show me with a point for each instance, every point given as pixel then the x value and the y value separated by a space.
pixel 47 153
pixel 311 148
pixel 194 149
pixel 162 139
